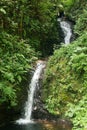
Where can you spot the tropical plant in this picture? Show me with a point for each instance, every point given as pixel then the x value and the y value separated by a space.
pixel 65 83
pixel 16 58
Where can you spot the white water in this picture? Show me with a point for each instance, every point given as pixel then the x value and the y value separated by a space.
pixel 29 104
pixel 67 30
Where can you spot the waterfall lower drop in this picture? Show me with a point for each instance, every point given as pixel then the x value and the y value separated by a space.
pixel 29 104
pixel 66 27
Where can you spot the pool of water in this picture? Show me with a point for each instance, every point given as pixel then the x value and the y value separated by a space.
pixel 40 125
pixel 33 126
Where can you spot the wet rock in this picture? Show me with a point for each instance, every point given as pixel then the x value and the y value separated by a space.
pixel 64 124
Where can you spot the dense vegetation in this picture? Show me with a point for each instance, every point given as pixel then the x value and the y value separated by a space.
pixel 31 20
pixel 29 30
pixel 65 83
pixel 25 30
pixel 16 58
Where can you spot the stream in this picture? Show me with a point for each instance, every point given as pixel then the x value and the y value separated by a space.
pixel 66 28
pixel 39 125
pixel 27 123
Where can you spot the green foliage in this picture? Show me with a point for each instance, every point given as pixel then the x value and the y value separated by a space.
pixel 65 83
pixel 81 24
pixel 7 93
pixel 67 3
pixel 24 25
pixel 77 9
pixel 16 58
pixel 2 11
pixel 78 112
pixel 32 20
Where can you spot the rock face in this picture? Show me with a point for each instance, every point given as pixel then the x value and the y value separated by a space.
pixel 64 124
pixel 39 110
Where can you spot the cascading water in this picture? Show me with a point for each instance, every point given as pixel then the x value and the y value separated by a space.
pixel 66 27
pixel 34 83
pixel 42 125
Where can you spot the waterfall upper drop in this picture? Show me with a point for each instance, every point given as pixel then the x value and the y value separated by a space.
pixel 34 83
pixel 66 27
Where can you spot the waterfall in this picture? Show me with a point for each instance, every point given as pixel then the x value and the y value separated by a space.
pixel 33 85
pixel 66 27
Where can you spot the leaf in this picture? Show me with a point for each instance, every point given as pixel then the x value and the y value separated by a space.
pixel 19 78
pixel 9 76
pixel 3 11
